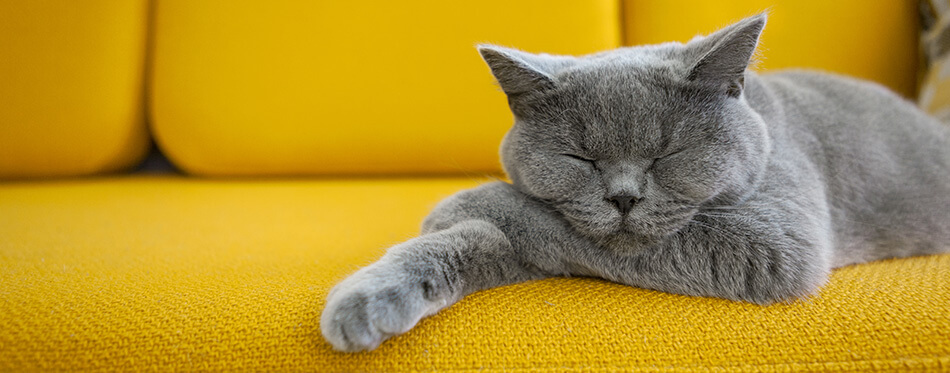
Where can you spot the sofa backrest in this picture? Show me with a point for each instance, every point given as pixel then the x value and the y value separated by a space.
pixel 71 87
pixel 256 88
pixel 874 40
pixel 348 87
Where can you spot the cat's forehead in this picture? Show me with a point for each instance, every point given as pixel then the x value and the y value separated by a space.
pixel 626 94
pixel 628 63
pixel 631 86
pixel 636 72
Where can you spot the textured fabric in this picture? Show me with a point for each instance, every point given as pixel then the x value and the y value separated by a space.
pixel 348 87
pixel 165 273
pixel 874 40
pixel 71 83
pixel 935 45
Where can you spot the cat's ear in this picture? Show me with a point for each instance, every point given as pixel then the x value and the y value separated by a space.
pixel 517 72
pixel 725 54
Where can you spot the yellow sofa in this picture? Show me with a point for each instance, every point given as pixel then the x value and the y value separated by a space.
pixel 316 134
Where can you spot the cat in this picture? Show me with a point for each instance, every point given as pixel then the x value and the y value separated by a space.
pixel 670 167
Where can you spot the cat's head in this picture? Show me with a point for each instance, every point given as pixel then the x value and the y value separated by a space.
pixel 626 144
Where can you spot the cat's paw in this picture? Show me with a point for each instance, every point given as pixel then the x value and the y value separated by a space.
pixel 372 305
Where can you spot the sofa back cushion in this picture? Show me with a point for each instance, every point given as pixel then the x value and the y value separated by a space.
pixel 71 84
pixel 355 87
pixel 874 40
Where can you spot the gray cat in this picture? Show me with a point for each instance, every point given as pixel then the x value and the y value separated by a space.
pixel 670 167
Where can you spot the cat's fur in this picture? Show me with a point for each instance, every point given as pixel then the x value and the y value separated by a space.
pixel 738 186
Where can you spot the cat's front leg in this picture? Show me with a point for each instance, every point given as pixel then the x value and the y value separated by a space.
pixel 415 279
pixel 485 237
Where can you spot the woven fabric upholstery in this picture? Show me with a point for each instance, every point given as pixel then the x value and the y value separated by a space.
pixel 165 273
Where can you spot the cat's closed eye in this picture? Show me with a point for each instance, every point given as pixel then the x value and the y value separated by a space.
pixel 589 163
pixel 579 158
pixel 666 156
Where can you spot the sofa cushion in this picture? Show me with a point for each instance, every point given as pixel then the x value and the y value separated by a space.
pixel 168 273
pixel 874 40
pixel 394 87
pixel 71 87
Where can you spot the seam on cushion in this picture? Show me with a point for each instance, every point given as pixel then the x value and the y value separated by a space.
pixel 863 365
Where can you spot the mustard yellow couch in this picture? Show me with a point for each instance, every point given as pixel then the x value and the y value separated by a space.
pixel 313 135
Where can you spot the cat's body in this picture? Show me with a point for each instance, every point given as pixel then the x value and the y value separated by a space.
pixel 670 167
pixel 884 165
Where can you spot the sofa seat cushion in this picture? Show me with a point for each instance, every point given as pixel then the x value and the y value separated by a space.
pixel 167 273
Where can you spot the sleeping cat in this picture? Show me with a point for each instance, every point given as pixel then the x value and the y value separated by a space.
pixel 670 167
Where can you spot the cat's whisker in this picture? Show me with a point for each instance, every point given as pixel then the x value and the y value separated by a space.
pixel 710 227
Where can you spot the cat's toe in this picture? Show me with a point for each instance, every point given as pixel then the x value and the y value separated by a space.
pixel 347 325
pixel 366 309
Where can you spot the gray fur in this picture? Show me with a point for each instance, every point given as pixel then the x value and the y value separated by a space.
pixel 743 187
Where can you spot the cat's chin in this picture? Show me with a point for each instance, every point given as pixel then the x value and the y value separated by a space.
pixel 627 242
pixel 627 234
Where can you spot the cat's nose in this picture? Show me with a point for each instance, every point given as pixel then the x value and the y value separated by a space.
pixel 624 202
